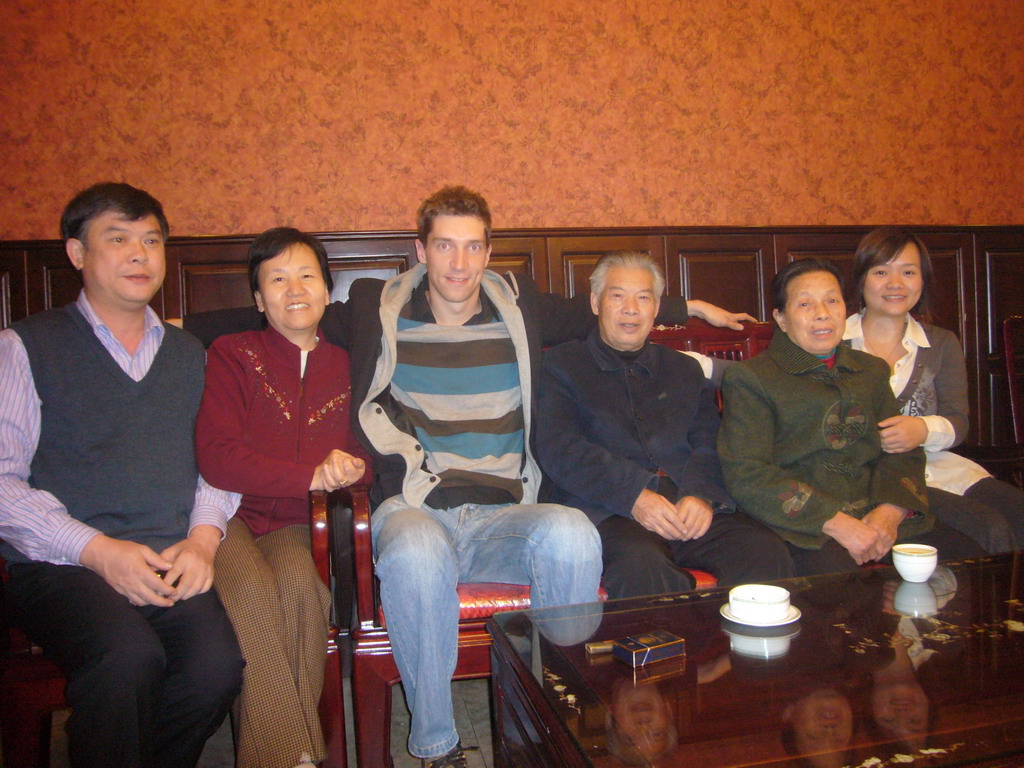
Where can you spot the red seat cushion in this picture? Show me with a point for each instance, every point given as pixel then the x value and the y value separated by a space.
pixel 481 600
pixel 703 579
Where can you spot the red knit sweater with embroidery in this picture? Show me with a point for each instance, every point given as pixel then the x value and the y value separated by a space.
pixel 262 431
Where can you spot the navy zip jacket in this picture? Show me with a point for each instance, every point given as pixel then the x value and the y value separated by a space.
pixel 607 425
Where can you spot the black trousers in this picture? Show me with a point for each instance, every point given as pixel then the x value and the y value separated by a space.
pixel 736 550
pixel 991 512
pixel 833 557
pixel 146 685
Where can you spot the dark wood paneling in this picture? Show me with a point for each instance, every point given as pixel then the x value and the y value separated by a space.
pixel 727 270
pixel 999 270
pixel 214 286
pixel 980 272
pixel 347 271
pixel 837 246
pixel 52 281
pixel 205 275
pixel 953 305
pixel 13 305
pixel 523 255
pixel 952 262
pixel 390 249
pixel 5 298
pixel 572 259
pixel 212 273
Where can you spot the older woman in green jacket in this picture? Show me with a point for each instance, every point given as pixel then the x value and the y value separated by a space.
pixel 799 446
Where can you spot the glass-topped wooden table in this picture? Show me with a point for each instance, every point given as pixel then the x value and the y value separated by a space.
pixel 875 673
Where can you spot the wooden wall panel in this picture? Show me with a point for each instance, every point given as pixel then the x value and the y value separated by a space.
pixel 523 255
pixel 211 273
pixel 206 274
pixel 953 305
pixel 391 250
pixel 213 286
pixel 52 281
pixel 837 246
pixel 351 259
pixel 346 271
pixel 727 270
pixel 980 271
pixel 5 297
pixel 571 259
pixel 999 270
pixel 13 304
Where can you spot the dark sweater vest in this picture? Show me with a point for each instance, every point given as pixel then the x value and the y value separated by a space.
pixel 117 453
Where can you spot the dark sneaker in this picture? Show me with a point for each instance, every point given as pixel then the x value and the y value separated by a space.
pixel 456 758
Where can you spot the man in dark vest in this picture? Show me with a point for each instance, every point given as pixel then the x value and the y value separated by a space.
pixel 108 531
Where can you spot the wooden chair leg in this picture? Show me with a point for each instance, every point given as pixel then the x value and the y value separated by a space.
pixel 371 706
pixel 27 740
pixel 26 714
pixel 332 711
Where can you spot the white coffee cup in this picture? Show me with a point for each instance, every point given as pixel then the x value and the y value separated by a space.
pixel 915 562
pixel 759 603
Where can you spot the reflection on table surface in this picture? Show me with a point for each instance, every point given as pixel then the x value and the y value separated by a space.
pixel 876 673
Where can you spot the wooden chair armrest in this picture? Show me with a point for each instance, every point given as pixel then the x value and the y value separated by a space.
pixel 356 498
pixel 320 535
pixel 362 554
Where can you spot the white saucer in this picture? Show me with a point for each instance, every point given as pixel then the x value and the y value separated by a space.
pixel 791 615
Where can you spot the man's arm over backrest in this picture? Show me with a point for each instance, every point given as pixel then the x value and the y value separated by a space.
pixel 209 326
pixel 565 319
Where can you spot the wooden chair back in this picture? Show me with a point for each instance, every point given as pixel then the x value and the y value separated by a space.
pixel 723 343
pixel 1013 359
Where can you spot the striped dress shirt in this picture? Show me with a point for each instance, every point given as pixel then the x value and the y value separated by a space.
pixel 34 521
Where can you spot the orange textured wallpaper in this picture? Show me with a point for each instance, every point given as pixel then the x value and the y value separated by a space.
pixel 331 115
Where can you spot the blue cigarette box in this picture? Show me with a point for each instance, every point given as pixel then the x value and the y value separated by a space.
pixel 649 647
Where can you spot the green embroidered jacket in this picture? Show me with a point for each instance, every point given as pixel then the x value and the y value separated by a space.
pixel 799 442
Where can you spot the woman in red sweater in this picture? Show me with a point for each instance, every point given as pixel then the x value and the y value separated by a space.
pixel 274 425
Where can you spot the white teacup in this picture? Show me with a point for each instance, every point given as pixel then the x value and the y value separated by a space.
pixel 915 562
pixel 759 603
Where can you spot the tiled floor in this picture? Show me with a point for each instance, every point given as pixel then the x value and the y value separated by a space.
pixel 472 704
pixel 471 700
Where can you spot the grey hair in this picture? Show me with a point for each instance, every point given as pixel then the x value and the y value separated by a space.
pixel 629 260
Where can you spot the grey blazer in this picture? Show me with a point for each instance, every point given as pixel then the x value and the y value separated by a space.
pixel 938 383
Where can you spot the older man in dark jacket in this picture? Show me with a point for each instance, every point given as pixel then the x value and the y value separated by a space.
pixel 627 433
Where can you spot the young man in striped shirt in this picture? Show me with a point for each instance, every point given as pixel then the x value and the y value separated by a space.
pixel 449 410
pixel 451 395
pixel 445 360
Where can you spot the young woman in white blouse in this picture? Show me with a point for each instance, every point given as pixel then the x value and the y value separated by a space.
pixel 893 280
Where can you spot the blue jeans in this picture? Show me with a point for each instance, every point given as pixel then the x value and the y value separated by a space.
pixel 423 553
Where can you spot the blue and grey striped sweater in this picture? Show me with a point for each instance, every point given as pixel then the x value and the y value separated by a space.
pixel 458 389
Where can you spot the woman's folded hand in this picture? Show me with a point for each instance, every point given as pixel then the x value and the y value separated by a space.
pixel 336 471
